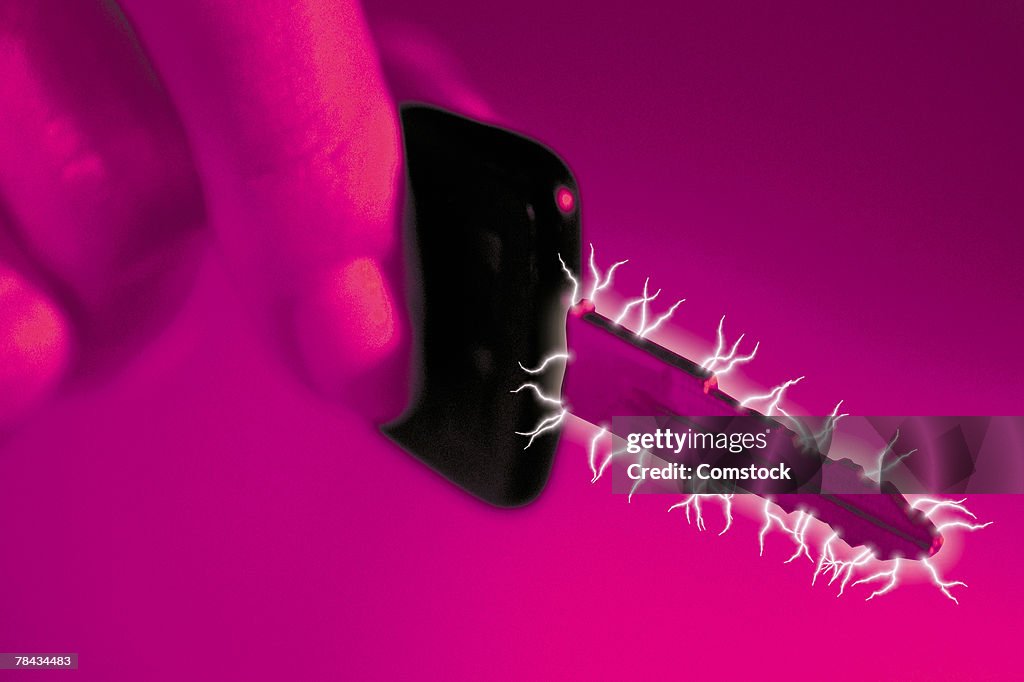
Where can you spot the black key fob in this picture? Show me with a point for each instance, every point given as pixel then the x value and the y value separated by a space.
pixel 490 213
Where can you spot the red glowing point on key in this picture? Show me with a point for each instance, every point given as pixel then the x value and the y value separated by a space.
pixel 565 199
pixel 936 544
pixel 582 308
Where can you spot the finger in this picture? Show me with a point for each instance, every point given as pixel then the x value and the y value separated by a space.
pixel 35 339
pixel 297 143
pixel 94 169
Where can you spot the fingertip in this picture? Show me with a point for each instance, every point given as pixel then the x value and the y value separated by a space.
pixel 35 346
pixel 350 335
pixel 371 325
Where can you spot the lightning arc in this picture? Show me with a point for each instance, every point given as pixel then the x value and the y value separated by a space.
pixel 719 364
pixel 575 283
pixel 642 460
pixel 642 300
pixel 955 505
pixel 539 393
pixel 544 363
pixel 694 502
pixel 892 574
pixel 830 425
pixel 644 331
pixel 940 583
pixel 798 532
pixel 829 563
pixel 775 395
pixel 599 283
pixel 936 505
pixel 544 426
pixel 594 443
pixel 551 421
pixel 882 467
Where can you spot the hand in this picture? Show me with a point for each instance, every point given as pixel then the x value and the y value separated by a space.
pixel 129 141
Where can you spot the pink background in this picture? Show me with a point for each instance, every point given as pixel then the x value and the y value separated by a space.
pixel 843 182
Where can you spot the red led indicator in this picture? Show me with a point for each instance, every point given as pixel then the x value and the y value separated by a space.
pixel 565 199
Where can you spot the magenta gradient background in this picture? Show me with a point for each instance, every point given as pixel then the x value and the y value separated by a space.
pixel 843 182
